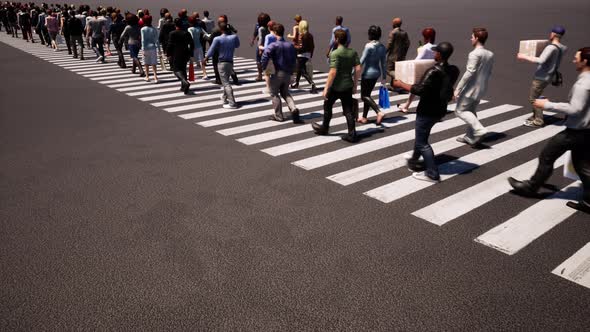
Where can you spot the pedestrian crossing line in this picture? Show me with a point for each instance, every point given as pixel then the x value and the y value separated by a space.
pixel 277 134
pixel 384 142
pixel 453 207
pixel 106 72
pixel 401 188
pixel 84 71
pixel 127 74
pixel 248 116
pixel 133 86
pixel 389 164
pixel 513 235
pixel 577 267
pixel 268 124
pixel 252 88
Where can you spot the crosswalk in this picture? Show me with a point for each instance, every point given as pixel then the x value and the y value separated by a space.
pixel 298 145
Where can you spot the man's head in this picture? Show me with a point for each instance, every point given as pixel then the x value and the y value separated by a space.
pixel 582 59
pixel 340 37
pixel 557 32
pixel 206 13
pixel 442 51
pixel 429 35
pixel 168 17
pixel 396 22
pixel 147 21
pixel 339 20
pixel 479 35
pixel 279 30
pixel 297 18
pixel 178 23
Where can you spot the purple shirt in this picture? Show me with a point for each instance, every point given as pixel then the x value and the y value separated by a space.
pixel 283 56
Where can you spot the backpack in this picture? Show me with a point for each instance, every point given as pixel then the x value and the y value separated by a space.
pixel 557 77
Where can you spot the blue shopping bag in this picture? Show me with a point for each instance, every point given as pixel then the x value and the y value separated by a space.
pixel 384 98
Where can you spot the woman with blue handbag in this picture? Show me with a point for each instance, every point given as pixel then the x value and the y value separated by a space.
pixel 374 62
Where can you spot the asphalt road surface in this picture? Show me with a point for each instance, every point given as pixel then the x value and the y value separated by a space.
pixel 128 206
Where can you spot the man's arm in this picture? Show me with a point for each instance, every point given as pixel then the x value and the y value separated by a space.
pixel 329 81
pixel 473 63
pixel 357 77
pixel 545 55
pixel 577 103
pixel 266 55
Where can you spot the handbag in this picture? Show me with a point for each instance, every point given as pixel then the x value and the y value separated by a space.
pixel 568 167
pixel 384 98
pixel 557 77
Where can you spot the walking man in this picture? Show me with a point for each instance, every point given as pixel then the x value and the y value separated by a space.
pixel 547 64
pixel 398 44
pixel 472 87
pixel 283 56
pixel 575 138
pixel 180 49
pixel 435 91
pixel 76 30
pixel 333 44
pixel 224 46
pixel 341 85
pixel 96 33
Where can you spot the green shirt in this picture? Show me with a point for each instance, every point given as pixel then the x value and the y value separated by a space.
pixel 344 59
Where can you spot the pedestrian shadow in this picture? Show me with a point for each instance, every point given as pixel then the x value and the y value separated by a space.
pixel 490 137
pixel 253 101
pixel 205 88
pixel 553 192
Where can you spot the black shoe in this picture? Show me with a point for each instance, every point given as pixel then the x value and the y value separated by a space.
pixel 295 86
pixel 218 82
pixel 186 88
pixel 350 138
pixel 522 188
pixel 319 129
pixel 142 74
pixel 313 90
pixel 579 206
pixel 295 117
pixel 416 166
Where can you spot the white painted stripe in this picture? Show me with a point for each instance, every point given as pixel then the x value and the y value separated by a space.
pixel 577 267
pixel 82 71
pixel 455 206
pixel 381 143
pixel 124 87
pixel 406 186
pixel 248 116
pixel 518 232
pixel 104 72
pixel 252 88
pixel 269 136
pixel 389 164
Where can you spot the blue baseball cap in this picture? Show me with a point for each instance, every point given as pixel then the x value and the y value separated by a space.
pixel 558 29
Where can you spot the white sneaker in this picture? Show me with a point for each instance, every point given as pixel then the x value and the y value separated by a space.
pixel 230 106
pixel 408 156
pixel 423 177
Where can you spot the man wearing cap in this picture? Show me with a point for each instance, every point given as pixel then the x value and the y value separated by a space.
pixel 547 64
pixel 398 44
pixel 575 137
pixel 435 90
pixel 472 87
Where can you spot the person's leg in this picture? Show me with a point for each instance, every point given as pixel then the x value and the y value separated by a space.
pixel 300 68
pixel 74 47
pixel 216 69
pixel 348 111
pixel 581 161
pixel 225 71
pixel 537 88
pixel 275 86
pixel 368 102
pixel 147 73
pixel 25 34
pixel 328 105
pixel 100 45
pixel 466 111
pixel 422 147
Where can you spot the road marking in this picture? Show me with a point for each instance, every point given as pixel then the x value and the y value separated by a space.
pixel 454 206
pixel 577 267
pixel 518 232
pixel 389 164
pixel 406 186
pixel 381 143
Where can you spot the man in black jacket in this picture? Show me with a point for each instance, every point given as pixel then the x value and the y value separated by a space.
pixel 180 48
pixel 76 29
pixel 435 91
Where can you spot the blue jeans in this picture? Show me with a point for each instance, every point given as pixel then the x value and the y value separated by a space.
pixel 421 146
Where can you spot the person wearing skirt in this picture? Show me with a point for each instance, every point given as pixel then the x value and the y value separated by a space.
pixel 149 45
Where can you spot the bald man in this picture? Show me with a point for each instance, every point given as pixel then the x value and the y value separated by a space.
pixel 397 46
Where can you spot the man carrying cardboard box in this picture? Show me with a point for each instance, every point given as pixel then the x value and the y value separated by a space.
pixel 435 91
pixel 547 65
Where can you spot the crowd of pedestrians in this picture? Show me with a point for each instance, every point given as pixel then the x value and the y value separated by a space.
pixel 183 39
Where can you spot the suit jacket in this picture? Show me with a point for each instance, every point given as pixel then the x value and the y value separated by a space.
pixel 398 44
pixel 474 82
pixel 180 46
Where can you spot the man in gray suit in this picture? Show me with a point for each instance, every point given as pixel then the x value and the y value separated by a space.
pixel 473 86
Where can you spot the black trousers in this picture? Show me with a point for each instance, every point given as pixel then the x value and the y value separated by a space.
pixel 302 70
pixel 576 141
pixel 367 86
pixel 347 105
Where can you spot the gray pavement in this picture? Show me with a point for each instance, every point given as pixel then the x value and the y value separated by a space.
pixel 119 215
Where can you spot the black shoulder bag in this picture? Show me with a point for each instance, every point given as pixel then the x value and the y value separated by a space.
pixel 557 78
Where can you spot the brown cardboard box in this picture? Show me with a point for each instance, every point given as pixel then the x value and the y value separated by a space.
pixel 532 47
pixel 411 71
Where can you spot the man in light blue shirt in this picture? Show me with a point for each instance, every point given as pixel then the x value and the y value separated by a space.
pixel 225 46
pixel 333 44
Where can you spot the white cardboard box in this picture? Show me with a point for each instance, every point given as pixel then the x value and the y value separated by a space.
pixel 411 71
pixel 532 47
